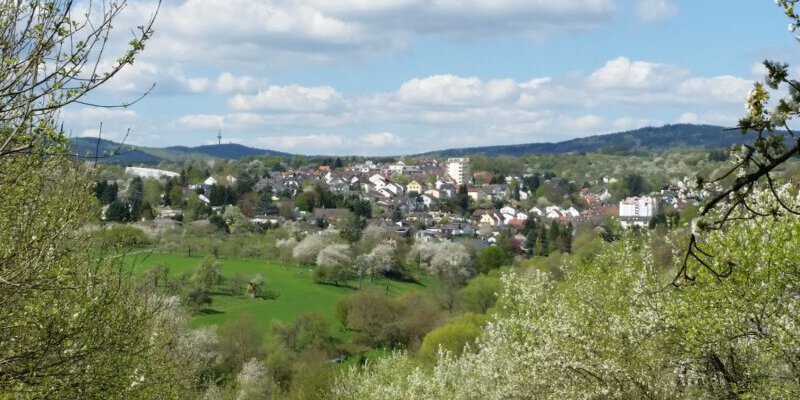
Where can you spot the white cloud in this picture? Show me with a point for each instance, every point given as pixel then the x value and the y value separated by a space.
pixel 277 32
pixel 729 89
pixel 622 73
pixel 655 10
pixel 759 70
pixel 199 122
pixel 228 82
pixel 289 98
pixel 96 115
pixel 304 144
pixel 380 139
pixel 622 94
pixel 192 85
pixel 451 90
pixel 586 123
pixel 688 118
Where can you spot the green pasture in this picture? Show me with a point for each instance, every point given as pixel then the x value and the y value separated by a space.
pixel 296 292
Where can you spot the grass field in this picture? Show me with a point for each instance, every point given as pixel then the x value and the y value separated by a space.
pixel 297 293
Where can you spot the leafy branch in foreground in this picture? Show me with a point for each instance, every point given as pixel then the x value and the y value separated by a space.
pixel 51 58
pixel 756 165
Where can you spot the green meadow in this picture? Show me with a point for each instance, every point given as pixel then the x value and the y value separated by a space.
pixel 292 284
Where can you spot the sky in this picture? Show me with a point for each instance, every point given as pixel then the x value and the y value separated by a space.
pixel 395 77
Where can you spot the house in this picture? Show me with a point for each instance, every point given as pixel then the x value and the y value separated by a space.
pixel 395 189
pixel 397 168
pixel 378 181
pixel 536 211
pixel 476 194
pixel 572 212
pixel 488 217
pixel 413 187
pixel 508 210
pixel 429 201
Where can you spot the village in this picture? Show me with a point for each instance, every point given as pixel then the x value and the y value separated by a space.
pixel 427 199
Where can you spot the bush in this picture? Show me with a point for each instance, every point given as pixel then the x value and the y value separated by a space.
pixel 123 236
pixel 330 274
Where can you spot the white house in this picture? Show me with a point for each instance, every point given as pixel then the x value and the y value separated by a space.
pixel 536 211
pixel 396 189
pixel 636 211
pixel 378 181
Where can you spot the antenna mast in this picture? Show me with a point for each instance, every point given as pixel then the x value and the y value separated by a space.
pixel 219 137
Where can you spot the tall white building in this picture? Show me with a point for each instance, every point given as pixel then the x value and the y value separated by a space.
pixel 636 211
pixel 458 169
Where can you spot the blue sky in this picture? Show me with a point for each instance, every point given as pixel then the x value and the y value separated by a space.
pixel 394 77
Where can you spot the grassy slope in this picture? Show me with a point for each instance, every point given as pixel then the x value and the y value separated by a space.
pixel 297 293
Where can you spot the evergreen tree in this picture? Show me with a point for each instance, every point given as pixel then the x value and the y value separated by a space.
pixel 119 211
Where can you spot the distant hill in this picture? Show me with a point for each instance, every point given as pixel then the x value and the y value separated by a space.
pixel 229 151
pixel 113 152
pixel 668 137
pixel 644 140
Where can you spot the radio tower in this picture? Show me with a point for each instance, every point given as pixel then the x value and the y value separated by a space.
pixel 219 137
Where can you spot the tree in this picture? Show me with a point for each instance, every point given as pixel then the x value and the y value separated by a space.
pixel 208 274
pixel 452 263
pixel 480 294
pixel 753 164
pixel 335 255
pixel 136 197
pixel 265 204
pixel 152 191
pixel 254 382
pixel 635 185
pixel 237 283
pixel 73 324
pixel 236 221
pixel 198 298
pixel 453 336
pixel 307 250
pixel 119 211
pixel 378 261
pixel 309 331
pixel 239 342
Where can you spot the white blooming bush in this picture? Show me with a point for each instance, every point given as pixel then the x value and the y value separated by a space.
pixel 617 328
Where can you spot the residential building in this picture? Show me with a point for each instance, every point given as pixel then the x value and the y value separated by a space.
pixel 414 186
pixel 636 211
pixel 458 169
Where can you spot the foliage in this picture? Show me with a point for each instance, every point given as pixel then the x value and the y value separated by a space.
pixel 479 295
pixel 119 211
pixel 308 249
pixel 380 260
pixel 235 220
pixel 239 342
pixel 124 236
pixel 614 328
pixel 254 383
pixel 402 322
pixel 452 337
pixel 208 274
pixel 309 331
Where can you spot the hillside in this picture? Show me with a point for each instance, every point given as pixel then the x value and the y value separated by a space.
pixel 231 151
pixel 644 140
pixel 126 154
pixel 668 137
